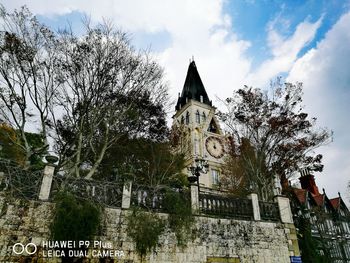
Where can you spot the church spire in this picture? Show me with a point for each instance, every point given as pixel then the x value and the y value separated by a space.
pixel 193 88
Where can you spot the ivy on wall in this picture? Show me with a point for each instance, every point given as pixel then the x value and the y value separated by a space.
pixel 180 219
pixel 145 227
pixel 75 219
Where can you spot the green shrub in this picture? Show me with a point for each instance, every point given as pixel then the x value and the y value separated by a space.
pixel 75 219
pixel 145 229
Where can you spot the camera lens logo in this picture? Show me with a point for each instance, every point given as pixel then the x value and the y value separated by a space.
pixel 19 248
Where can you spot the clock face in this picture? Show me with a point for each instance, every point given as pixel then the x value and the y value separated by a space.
pixel 215 147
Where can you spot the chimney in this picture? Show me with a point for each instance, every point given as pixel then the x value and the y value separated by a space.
pixel 307 181
pixel 284 182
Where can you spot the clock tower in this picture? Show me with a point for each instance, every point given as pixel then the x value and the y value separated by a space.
pixel 200 136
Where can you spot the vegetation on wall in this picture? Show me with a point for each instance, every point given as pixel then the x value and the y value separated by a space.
pixel 180 217
pixel 145 229
pixel 74 219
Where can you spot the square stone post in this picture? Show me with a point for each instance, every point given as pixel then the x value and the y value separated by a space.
pixel 285 210
pixel 256 208
pixel 194 198
pixel 46 182
pixel 126 198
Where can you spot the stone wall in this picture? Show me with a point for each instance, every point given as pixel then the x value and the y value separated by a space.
pixel 216 240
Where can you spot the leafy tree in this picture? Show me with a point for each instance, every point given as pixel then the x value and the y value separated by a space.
pixel 11 149
pixel 28 83
pixel 145 162
pixel 281 136
pixel 236 179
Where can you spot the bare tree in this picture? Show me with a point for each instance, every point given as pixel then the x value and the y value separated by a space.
pixel 28 83
pixel 104 79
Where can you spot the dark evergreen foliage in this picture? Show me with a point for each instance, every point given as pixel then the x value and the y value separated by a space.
pixel 309 245
pixel 74 219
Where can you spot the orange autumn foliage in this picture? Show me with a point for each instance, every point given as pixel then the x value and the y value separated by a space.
pixel 9 145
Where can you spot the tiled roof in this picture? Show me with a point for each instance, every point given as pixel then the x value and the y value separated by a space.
pixel 319 199
pixel 300 194
pixel 335 202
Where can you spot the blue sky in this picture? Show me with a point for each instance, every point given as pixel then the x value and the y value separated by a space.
pixel 240 42
pixel 251 19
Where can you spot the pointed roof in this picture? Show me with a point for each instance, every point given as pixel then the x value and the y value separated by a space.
pixel 319 199
pixel 193 88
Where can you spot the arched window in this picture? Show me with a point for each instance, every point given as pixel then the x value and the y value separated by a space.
pixel 204 117
pixel 213 127
pixel 187 118
pixel 198 117
pixel 182 119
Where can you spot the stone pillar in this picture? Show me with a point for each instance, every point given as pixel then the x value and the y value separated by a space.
pixel 285 210
pixel 256 208
pixel 126 198
pixel 46 182
pixel 194 198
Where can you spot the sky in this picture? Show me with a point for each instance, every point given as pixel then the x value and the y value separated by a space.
pixel 236 43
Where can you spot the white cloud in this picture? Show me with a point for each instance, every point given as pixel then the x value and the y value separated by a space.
pixel 324 70
pixel 284 50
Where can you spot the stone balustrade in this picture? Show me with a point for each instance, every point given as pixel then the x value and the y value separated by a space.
pixel 203 203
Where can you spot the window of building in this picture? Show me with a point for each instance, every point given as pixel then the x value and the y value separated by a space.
pixel 215 176
pixel 204 117
pixel 213 127
pixel 329 225
pixel 198 117
pixel 182 119
pixel 187 118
